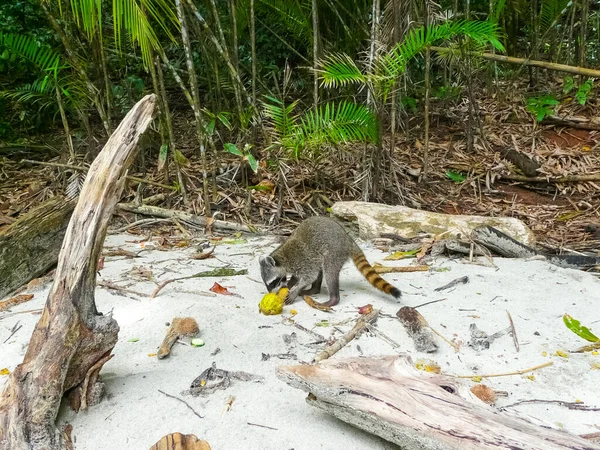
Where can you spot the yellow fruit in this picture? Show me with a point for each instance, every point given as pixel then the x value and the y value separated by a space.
pixel 270 304
pixel 282 294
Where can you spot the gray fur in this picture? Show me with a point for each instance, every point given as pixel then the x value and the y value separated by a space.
pixel 318 248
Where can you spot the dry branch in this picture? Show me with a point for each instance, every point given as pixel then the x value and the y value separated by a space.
pixel 360 325
pixel 71 341
pixel 533 63
pixel 388 397
pixel 192 219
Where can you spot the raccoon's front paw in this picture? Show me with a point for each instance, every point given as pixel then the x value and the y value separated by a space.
pixel 289 300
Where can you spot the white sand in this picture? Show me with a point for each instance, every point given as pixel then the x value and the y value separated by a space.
pixel 135 415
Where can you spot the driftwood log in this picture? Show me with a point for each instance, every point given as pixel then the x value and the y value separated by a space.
pixel 388 397
pixel 71 341
pixel 29 247
pixel 504 245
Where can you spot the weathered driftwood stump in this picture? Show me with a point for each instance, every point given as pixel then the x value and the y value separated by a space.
pixel 30 246
pixel 72 341
pixel 388 397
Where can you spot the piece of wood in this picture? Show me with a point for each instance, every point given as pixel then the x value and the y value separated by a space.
pixel 179 441
pixel 504 245
pixel 418 329
pixel 359 326
pixel 532 63
pixel 388 397
pixel 29 247
pixel 192 219
pixel 527 165
pixel 71 341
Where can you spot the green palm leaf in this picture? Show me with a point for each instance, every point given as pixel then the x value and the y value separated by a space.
pixel 28 48
pixel 551 11
pixel 340 69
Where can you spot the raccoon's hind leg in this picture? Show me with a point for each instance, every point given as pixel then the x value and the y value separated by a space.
pixel 332 278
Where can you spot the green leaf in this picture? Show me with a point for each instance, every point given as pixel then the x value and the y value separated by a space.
pixel 225 120
pixel 133 340
pixel 162 157
pixel 575 326
pixel 455 176
pixel 210 127
pixel 252 162
pixel 231 148
pixel 180 158
pixel 568 84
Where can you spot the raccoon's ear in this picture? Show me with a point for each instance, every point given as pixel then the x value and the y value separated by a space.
pixel 267 261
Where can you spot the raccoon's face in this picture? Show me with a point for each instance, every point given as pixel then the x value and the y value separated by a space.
pixel 272 275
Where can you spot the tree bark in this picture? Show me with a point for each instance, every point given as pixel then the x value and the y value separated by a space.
pixel 71 341
pixel 30 246
pixel 388 397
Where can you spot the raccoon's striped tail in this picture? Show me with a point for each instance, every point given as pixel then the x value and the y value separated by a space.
pixel 373 277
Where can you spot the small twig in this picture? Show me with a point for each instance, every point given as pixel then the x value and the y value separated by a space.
pixel 11 334
pixel 517 372
pixel 454 345
pixel 429 303
pixel 182 401
pixel 383 336
pixel 262 426
pixel 513 332
pixel 400 269
pixel 571 405
pixel 360 325
pixel 461 280
pixel 113 286
pixel 311 332
pixel 6 316
pixel 138 223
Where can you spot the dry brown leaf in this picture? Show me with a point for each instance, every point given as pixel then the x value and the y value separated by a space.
pixel 320 306
pixel 13 301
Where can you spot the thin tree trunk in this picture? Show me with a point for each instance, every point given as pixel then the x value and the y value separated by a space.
pixel 200 125
pixel 533 38
pixel 571 58
pixel 583 34
pixel 234 35
pixel 427 94
pixel 253 52
pixel 169 127
pixel 63 117
pixel 315 27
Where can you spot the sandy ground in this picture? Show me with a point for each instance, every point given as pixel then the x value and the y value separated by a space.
pixel 135 414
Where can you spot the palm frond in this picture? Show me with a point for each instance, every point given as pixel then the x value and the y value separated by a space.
pixel 294 15
pixel 340 69
pixel 40 93
pixel 551 11
pixel 394 62
pixel 335 124
pixel 281 117
pixel 30 49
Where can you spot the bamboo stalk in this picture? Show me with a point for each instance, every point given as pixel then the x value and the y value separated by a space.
pixel 535 63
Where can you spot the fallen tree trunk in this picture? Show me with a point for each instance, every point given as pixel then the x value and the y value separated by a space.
pixel 388 397
pixel 504 245
pixel 71 341
pixel 30 246
pixel 192 219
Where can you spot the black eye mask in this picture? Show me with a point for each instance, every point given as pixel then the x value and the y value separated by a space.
pixel 276 282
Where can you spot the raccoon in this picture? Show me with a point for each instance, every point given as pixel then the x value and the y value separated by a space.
pixel 319 246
